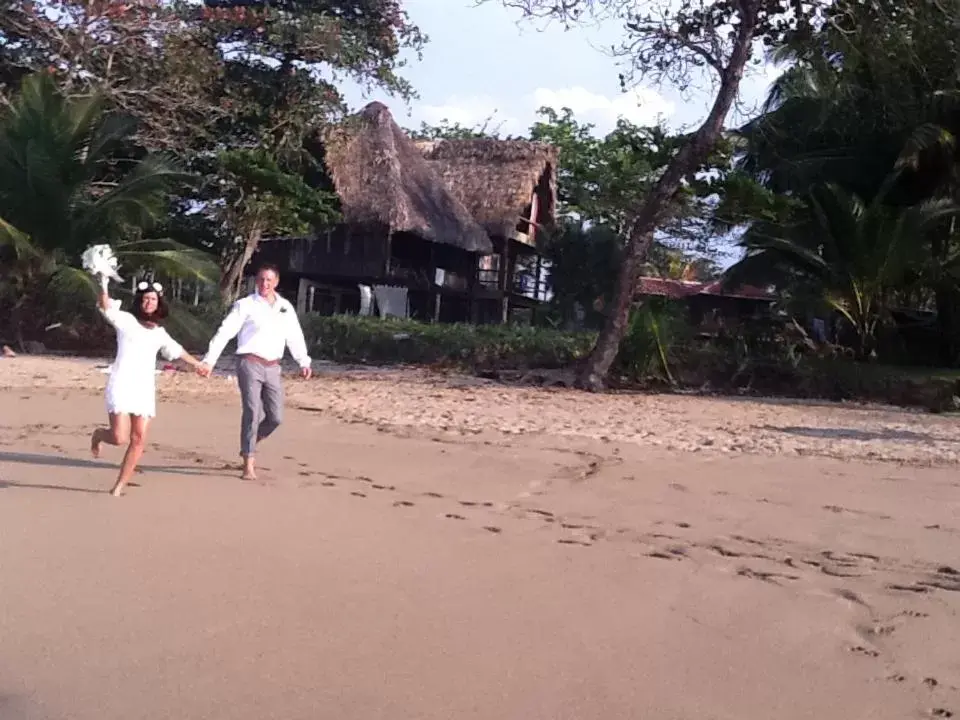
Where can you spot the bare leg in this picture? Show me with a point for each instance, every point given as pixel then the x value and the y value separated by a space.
pixel 117 434
pixel 138 438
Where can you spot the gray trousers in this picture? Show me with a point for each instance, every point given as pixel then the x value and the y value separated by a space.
pixel 261 392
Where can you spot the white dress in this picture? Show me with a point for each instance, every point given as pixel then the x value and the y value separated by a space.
pixel 132 387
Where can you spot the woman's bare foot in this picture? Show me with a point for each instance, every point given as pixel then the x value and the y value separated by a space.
pixel 118 489
pixel 95 443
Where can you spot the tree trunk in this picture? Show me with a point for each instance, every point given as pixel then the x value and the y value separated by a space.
pixel 231 269
pixel 657 205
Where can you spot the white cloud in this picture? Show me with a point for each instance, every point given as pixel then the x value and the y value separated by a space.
pixel 641 106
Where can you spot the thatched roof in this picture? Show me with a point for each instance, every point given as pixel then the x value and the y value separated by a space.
pixel 381 177
pixel 495 179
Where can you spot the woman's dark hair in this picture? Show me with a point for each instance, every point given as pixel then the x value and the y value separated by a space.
pixel 158 315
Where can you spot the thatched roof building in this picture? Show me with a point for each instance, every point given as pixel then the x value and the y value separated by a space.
pixel 495 179
pixel 382 178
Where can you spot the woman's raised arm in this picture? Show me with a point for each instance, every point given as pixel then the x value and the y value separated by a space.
pixel 103 298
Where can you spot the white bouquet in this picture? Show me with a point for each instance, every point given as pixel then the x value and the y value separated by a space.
pixel 100 260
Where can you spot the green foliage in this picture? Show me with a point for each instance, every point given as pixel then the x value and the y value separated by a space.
pixel 446 130
pixel 583 269
pixel 344 338
pixel 257 80
pixel 658 327
pixel 64 188
pixel 855 254
pixel 600 176
pixel 259 193
pixel 60 181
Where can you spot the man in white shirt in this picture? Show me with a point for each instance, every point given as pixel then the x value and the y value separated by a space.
pixel 264 324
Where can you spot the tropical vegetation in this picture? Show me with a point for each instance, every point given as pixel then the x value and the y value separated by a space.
pixel 184 133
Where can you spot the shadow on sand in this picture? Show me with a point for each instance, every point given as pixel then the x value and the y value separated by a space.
pixel 60 461
pixel 853 434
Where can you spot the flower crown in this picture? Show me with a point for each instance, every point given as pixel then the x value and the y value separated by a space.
pixel 144 286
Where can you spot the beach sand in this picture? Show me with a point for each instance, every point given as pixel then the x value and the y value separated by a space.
pixel 421 546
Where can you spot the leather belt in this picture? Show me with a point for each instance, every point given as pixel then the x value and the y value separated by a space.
pixel 259 360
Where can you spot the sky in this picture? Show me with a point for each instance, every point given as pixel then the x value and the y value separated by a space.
pixel 487 62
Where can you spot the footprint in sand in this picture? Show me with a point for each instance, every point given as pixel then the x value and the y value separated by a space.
pixel 358 494
pixel 770 577
pixel 724 552
pixel 433 494
pixel 918 589
pixel 883 630
pixel 454 516
pixel 941 713
pixel 672 554
pixel 850 596
pixel 492 529
pixel 865 651
pixel 403 503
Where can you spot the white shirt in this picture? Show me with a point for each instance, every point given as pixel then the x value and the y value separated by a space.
pixel 261 329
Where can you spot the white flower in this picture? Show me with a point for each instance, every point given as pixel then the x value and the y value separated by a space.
pixel 101 260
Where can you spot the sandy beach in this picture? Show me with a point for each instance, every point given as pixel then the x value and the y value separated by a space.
pixel 424 546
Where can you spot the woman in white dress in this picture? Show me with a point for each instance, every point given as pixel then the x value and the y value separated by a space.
pixel 131 389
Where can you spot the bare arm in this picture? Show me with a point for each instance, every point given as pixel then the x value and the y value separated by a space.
pixel 190 360
pixel 103 297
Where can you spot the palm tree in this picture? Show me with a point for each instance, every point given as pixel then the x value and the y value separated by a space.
pixel 865 95
pixel 67 181
pixel 854 255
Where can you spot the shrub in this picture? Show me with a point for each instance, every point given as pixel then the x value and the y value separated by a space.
pixel 655 338
pixel 350 338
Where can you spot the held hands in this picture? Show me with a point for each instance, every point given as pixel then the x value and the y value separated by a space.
pixel 204 370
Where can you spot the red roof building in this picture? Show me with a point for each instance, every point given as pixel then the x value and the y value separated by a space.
pixel 680 289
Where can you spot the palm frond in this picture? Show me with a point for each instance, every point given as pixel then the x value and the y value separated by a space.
pixel 139 199
pixel 19 243
pixel 170 258
pixel 69 282
pixel 107 137
pixel 924 138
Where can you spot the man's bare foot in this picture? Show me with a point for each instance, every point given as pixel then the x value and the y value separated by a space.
pixel 117 489
pixel 95 443
pixel 249 469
